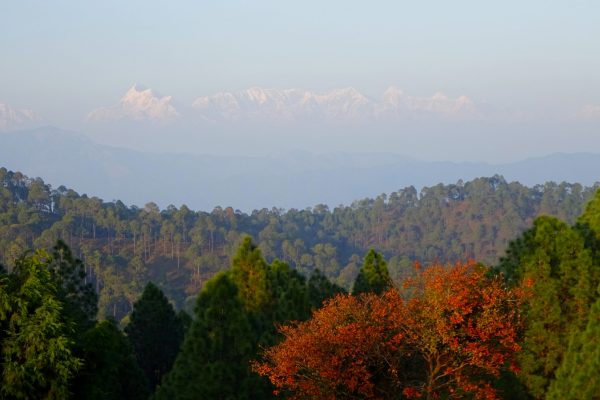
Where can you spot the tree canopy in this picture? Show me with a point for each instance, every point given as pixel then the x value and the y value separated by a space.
pixel 35 339
pixel 124 247
pixel 373 276
pixel 155 332
pixel 110 371
pixel 444 334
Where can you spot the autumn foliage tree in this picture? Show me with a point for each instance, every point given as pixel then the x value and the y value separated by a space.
pixel 445 333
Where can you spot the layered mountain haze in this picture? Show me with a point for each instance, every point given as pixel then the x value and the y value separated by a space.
pixel 288 179
pixel 139 104
pixel 13 118
pixel 259 121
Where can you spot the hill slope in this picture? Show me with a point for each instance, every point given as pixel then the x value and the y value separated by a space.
pixel 123 247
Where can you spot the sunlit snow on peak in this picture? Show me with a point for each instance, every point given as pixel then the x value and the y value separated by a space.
pixel 12 118
pixel 139 103
pixel 339 104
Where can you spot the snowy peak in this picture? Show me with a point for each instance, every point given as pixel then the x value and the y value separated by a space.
pixel 397 102
pixel 11 118
pixel 138 104
pixel 338 104
pixel 138 87
pixel 393 95
pixel 258 104
pixel 589 112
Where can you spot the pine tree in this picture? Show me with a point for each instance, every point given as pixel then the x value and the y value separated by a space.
pixel 320 289
pixel 155 333
pixel 79 297
pixel 36 343
pixel 577 377
pixel 561 268
pixel 288 294
pixel 111 371
pixel 373 276
pixel 214 359
pixel 591 215
pixel 249 274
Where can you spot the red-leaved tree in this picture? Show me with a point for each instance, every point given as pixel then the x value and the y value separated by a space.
pixel 443 334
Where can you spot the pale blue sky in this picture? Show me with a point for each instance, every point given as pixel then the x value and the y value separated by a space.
pixel 63 58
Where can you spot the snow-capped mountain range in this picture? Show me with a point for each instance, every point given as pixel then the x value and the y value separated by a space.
pixel 589 112
pixel 258 104
pixel 12 118
pixel 140 104
pixel 347 103
pixel 288 103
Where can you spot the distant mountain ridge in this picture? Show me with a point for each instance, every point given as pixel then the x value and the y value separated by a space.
pixel 12 118
pixel 290 180
pixel 346 103
pixel 140 103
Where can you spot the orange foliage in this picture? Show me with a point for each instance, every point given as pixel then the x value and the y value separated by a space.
pixel 442 334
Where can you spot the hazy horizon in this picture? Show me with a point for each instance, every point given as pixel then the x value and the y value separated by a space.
pixel 471 81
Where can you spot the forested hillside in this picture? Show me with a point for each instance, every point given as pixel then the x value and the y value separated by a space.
pixel 179 249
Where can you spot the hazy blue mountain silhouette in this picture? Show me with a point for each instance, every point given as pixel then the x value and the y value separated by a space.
pixel 289 180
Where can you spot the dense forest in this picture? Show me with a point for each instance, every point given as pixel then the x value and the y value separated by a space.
pixel 124 247
pixel 525 328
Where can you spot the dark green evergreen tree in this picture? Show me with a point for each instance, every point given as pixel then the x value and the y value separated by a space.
pixel 79 298
pixel 111 371
pixel 588 226
pixel 214 361
pixel 36 343
pixel 287 300
pixel 554 257
pixel 155 333
pixel 185 320
pixel 373 276
pixel 577 376
pixel 510 265
pixel 249 274
pixel 288 294
pixel 320 289
pixel 591 215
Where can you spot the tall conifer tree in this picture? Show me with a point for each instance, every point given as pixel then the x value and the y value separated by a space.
pixel 577 377
pixel 214 360
pixel 36 342
pixel 155 333
pixel 373 276
pixel 320 289
pixel 555 258
pixel 110 371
